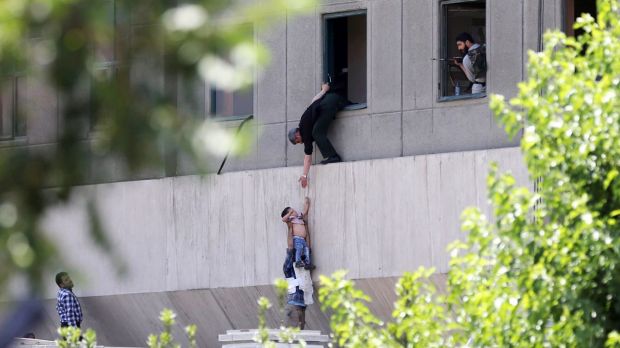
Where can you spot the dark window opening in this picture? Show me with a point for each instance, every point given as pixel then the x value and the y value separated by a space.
pixel 232 104
pixel 345 56
pixel 573 10
pixel 229 104
pixel 12 123
pixel 105 64
pixel 458 17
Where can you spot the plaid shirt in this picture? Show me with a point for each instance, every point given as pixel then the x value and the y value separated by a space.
pixel 68 307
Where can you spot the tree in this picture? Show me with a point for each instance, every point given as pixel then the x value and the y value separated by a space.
pixel 545 271
pixel 59 44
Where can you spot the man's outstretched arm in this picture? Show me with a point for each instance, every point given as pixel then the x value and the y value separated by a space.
pixel 303 179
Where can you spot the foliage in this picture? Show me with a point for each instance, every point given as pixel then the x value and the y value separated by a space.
pixel 116 68
pixel 285 334
pixel 71 337
pixel 544 271
pixel 165 339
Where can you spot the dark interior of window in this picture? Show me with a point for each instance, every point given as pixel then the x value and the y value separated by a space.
pixel 227 104
pixel 11 123
pixel 573 10
pixel 459 17
pixel 345 56
pixel 232 104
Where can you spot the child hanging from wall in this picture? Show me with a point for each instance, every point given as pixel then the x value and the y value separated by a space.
pixel 299 235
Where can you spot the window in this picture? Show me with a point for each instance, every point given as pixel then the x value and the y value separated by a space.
pixel 573 9
pixel 232 104
pixel 105 63
pixel 459 16
pixel 344 56
pixel 12 125
pixel 228 104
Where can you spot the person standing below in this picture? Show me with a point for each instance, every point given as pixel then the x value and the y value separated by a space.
pixel 313 127
pixel 474 63
pixel 295 303
pixel 67 306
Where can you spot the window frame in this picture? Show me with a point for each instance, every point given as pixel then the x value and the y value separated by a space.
pixel 211 91
pixel 14 134
pixel 108 67
pixel 326 49
pixel 444 41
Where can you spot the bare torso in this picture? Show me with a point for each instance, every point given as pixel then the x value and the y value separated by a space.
pixel 299 231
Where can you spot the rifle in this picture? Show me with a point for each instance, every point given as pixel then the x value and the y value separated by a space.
pixel 451 59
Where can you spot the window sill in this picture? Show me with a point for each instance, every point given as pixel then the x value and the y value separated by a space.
pixel 351 112
pixel 229 118
pixel 462 97
pixel 12 142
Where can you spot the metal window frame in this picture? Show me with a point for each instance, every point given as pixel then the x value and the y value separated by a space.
pixel 14 110
pixel 210 91
pixel 443 49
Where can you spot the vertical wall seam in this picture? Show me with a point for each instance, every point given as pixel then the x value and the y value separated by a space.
pixel 523 41
pixel 285 88
pixel 402 95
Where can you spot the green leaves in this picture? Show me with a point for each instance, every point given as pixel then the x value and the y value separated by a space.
pixel 116 68
pixel 544 271
pixel 165 339
pixel 72 337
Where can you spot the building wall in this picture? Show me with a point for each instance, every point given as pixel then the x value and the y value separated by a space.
pixel 127 320
pixel 376 218
pixel 403 117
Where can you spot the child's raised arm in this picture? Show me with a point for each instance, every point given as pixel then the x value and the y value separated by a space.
pixel 306 207
pixel 287 216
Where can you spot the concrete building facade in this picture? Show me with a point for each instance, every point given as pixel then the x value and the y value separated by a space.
pixel 415 156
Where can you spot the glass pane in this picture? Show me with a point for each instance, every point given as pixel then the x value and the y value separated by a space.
pixel 237 103
pixel 6 109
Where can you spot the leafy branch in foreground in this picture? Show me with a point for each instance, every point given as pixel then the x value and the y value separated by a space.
pixel 544 271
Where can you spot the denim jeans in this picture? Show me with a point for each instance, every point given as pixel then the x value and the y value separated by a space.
pixel 301 247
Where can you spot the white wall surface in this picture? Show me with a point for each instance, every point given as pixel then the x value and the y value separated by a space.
pixel 377 218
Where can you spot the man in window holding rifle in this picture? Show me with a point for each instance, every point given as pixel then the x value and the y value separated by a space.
pixel 474 63
pixel 313 127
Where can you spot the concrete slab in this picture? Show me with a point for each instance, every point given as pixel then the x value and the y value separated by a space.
pixel 271 87
pixel 301 74
pixel 272 139
pixel 38 103
pixel 386 135
pixel 505 56
pixel 461 127
pixel 418 136
pixel 385 55
pixel 350 137
pixel 417 33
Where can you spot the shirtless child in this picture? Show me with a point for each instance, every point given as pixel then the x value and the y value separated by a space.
pixel 299 235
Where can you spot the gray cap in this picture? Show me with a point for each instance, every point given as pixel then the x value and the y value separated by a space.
pixel 291 135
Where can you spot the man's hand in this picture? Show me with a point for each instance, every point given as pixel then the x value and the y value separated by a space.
pixel 303 180
pixel 325 87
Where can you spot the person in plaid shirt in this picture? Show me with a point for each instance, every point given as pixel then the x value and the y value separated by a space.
pixel 68 306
